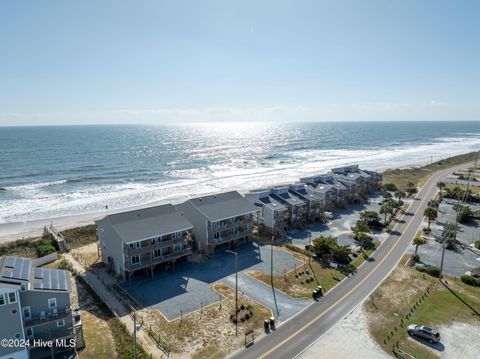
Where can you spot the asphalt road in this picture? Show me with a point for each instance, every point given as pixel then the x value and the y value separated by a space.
pixel 298 333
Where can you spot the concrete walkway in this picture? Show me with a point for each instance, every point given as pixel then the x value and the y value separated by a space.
pixel 287 306
pixel 116 306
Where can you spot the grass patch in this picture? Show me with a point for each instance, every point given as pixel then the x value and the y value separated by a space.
pixel 300 282
pixel 406 289
pixel 80 236
pixel 473 188
pixel 365 255
pixel 400 177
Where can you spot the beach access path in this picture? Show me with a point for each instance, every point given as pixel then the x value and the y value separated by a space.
pixel 295 335
pixel 116 306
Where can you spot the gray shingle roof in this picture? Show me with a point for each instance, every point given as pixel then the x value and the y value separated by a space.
pixel 223 205
pixel 147 223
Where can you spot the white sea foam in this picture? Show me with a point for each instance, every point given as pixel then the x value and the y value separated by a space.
pixel 37 202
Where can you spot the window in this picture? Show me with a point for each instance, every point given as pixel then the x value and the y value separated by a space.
pixel 131 245
pixel 157 253
pixel 27 314
pixel 216 235
pixel 23 288
pixel 2 299
pixel 153 240
pixel 12 298
pixel 29 333
pixel 60 323
pixel 137 244
pixel 178 247
pixel 52 303
pixel 136 259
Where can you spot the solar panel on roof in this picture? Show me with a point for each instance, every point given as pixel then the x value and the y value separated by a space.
pixel 62 280
pixel 9 262
pixel 39 273
pixel 7 273
pixel 25 273
pixel 38 285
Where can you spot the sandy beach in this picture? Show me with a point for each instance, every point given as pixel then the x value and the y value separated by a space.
pixel 17 230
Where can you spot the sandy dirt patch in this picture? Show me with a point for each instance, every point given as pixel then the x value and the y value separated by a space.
pixel 349 338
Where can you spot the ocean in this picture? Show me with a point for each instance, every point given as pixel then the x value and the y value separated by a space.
pixel 57 171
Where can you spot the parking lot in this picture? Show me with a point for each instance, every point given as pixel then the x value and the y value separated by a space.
pixel 188 287
pixel 339 226
pixel 460 260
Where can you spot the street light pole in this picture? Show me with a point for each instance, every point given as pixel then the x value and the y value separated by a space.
pixel 236 290
pixel 271 261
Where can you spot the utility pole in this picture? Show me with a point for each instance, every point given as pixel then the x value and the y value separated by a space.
pixel 236 291
pixel 134 335
pixel 271 262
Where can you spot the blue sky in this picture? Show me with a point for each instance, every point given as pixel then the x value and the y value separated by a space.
pixel 166 61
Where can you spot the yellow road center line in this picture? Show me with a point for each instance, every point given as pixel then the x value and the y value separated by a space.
pixel 350 291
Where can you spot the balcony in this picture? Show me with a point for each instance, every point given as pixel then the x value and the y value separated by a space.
pixel 231 237
pixel 149 247
pixel 224 225
pixel 148 262
pixel 47 317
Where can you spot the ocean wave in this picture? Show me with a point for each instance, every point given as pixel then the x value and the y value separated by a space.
pixel 233 173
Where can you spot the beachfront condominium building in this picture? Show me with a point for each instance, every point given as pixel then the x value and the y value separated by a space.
pixel 326 193
pixel 219 220
pixel 337 194
pixel 297 206
pixel 34 306
pixel 368 181
pixel 358 181
pixel 273 216
pixel 315 201
pixel 144 239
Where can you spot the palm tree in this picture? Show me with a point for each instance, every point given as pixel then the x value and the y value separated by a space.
pixel 441 186
pixel 399 195
pixel 431 214
pixel 385 209
pixel 417 242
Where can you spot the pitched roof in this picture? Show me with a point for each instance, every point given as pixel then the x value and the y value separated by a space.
pixel 223 205
pixel 147 223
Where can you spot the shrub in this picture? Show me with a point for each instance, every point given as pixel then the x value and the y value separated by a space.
pixel 44 247
pixel 468 279
pixel 477 244
pixel 390 187
pixel 247 316
pixel 430 270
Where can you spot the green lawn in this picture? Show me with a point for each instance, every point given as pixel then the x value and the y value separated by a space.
pixel 405 289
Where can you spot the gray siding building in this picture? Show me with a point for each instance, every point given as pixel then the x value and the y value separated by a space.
pixel 219 220
pixel 35 302
pixel 144 239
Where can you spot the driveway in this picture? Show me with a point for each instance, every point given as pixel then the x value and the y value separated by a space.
pixel 339 226
pixel 188 287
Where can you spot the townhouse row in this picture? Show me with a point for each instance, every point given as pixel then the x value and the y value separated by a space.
pixel 161 236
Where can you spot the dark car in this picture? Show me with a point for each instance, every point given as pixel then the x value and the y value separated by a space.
pixel 424 332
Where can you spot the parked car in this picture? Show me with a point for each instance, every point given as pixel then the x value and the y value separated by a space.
pixel 424 332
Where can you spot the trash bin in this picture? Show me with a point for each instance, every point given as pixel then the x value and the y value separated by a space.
pixel 319 290
pixel 266 324
pixel 272 322
pixel 315 293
